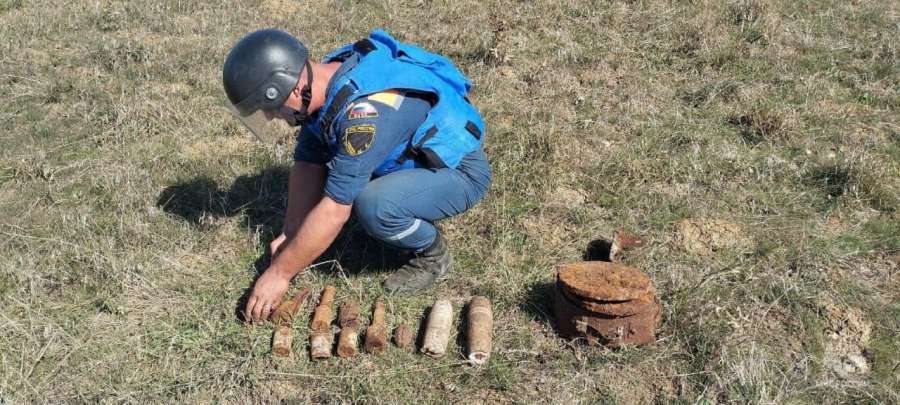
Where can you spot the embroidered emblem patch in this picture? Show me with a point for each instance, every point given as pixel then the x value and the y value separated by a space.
pixel 362 110
pixel 390 98
pixel 358 139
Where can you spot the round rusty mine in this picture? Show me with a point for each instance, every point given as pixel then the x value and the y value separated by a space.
pixel 573 321
pixel 603 281
pixel 640 304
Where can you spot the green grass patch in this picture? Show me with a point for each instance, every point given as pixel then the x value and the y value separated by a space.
pixel 884 348
pixel 7 5
pixel 877 234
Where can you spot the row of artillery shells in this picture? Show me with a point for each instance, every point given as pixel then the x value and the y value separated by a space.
pixel 434 341
pixel 605 303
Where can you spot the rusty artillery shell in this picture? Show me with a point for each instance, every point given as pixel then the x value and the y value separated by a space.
pixel 480 331
pixel 286 312
pixel 376 334
pixel 284 319
pixel 321 338
pixel 437 331
pixel 349 321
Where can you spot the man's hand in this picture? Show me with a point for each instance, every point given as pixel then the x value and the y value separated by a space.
pixel 319 229
pixel 266 296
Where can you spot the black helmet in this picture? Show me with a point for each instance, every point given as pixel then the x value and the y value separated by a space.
pixel 259 75
pixel 262 70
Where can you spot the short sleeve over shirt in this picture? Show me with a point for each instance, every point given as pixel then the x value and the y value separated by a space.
pixel 366 131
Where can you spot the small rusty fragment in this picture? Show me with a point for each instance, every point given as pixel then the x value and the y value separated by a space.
pixel 376 334
pixel 622 241
pixel 403 336
pixel 628 241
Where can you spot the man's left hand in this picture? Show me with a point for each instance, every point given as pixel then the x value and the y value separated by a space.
pixel 266 296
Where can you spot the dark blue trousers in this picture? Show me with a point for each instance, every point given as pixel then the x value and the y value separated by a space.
pixel 400 208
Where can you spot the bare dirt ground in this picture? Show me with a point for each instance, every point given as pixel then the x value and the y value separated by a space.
pixel 753 144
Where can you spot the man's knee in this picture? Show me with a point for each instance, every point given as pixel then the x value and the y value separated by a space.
pixel 385 220
pixel 374 212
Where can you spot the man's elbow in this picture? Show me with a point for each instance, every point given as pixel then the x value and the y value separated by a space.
pixel 338 212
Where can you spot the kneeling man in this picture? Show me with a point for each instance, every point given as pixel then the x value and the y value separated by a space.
pixel 386 129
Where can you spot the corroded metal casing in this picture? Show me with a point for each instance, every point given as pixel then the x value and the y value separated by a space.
pixel 605 304
pixel 572 321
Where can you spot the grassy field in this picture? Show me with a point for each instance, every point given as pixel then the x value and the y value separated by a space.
pixel 755 144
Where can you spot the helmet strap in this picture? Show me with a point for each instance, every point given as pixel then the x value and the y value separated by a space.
pixel 300 117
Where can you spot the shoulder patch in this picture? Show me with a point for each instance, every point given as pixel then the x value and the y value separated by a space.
pixel 390 98
pixel 362 110
pixel 358 138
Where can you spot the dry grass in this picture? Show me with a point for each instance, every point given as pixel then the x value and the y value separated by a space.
pixel 134 211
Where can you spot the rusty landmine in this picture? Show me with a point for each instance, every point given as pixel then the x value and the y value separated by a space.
pixel 613 308
pixel 573 321
pixel 603 281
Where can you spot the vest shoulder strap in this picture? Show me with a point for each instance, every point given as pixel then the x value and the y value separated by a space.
pixel 339 100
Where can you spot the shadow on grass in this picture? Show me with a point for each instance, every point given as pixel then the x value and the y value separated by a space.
pixel 420 333
pixel 462 332
pixel 538 302
pixel 261 200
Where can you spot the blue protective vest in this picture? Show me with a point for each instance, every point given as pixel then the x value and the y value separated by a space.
pixel 453 127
